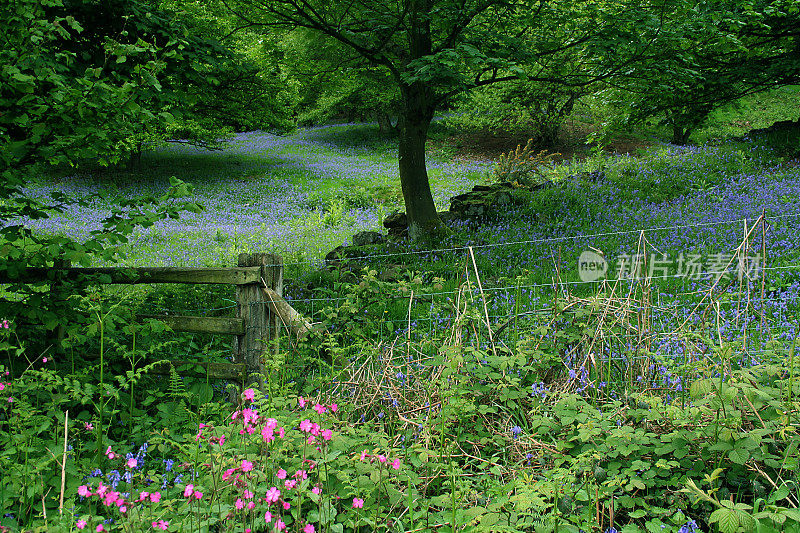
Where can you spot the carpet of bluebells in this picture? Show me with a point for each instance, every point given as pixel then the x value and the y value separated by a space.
pixel 299 195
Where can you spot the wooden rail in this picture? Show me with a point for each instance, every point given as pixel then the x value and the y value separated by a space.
pixel 135 275
pixel 200 324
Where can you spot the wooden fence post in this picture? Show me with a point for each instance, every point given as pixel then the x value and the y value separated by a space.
pixel 260 325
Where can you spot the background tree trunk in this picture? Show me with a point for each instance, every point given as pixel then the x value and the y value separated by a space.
pixel 423 220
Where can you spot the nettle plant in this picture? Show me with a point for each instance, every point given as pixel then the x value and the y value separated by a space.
pixel 271 465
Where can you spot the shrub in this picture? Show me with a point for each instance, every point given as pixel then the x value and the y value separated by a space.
pixel 523 165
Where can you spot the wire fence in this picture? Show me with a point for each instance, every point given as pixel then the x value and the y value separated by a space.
pixel 404 251
pixel 633 316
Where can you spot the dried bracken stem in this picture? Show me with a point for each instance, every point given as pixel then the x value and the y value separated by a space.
pixel 63 465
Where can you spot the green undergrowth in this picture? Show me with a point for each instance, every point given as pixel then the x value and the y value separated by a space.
pixel 544 426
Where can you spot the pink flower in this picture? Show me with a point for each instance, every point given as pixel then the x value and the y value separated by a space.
pixel 267 434
pixel 396 464
pixel 382 458
pixel 227 474
pixel 290 483
pixel 161 524
pixel 2 386
pixel 281 474
pixel 86 425
pixel 248 494
pixel 301 401
pixel 327 434
pixel 364 456
pixel 155 497
pixel 281 432
pixel 246 465
pixel 286 506
pixel 279 525
pixel 306 425
pixel 334 407
pixel 110 498
pixel 84 491
pixel 143 496
pixel 111 455
pixel 273 494
pixel 132 462
pixel 251 505
pixel 198 495
pixel 249 395
pixel 316 490
pixel 44 359
pixel 319 408
pixel 99 528
pixel 358 503
pixel 301 474
pixel 272 423
pixel 187 492
pixel 239 504
pixel 80 524
pixel 267 517
pixel 308 529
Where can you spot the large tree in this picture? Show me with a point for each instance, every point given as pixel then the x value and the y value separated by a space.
pixel 720 51
pixel 435 49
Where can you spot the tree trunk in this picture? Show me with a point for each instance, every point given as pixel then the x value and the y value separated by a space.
pixel 680 135
pixel 384 121
pixel 424 223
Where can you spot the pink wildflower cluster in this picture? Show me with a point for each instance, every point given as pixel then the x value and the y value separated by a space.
pixel 6 384
pixel 318 407
pixel 382 459
pixel 277 498
pixel 256 488
pixel 112 498
pixel 4 324
pixel 192 494
pixel 312 428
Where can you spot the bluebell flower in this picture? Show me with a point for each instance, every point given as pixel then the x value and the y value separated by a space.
pixel 114 477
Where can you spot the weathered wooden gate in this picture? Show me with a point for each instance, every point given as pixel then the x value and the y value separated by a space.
pixel 253 328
